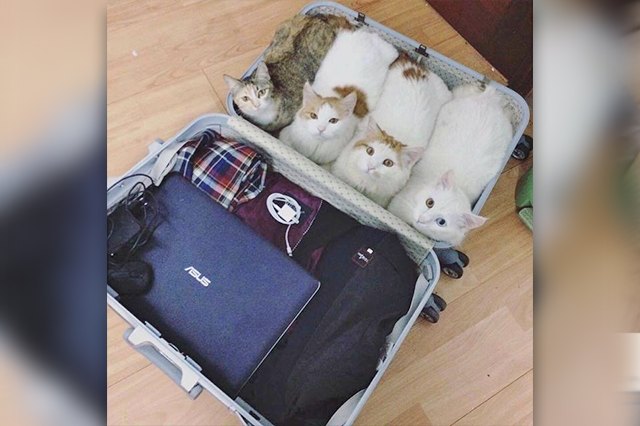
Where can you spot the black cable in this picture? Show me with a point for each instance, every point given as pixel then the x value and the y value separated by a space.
pixel 129 177
pixel 143 209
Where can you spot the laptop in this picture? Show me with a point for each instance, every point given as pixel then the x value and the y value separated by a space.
pixel 221 294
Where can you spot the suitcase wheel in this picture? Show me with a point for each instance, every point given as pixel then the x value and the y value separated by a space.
pixel 452 261
pixel 440 302
pixel 431 314
pixel 463 258
pixel 524 147
pixel 453 270
pixel 431 311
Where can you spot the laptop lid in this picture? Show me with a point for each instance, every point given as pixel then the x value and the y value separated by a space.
pixel 221 294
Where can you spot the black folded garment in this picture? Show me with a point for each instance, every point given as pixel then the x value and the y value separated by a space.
pixel 329 224
pixel 333 349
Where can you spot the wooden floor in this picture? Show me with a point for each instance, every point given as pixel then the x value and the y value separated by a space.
pixel 165 61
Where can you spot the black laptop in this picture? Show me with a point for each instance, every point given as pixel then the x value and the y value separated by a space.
pixel 221 294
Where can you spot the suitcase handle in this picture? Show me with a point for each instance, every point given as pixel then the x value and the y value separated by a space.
pixel 166 359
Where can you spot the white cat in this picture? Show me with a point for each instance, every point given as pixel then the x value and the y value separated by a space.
pixel 466 151
pixel 410 102
pixel 357 61
pixel 376 164
pixel 322 127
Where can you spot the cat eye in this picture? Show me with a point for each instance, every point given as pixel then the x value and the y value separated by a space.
pixel 245 98
pixel 430 203
pixel 441 222
pixel 370 150
pixel 333 121
pixel 388 162
pixel 313 115
pixel 262 92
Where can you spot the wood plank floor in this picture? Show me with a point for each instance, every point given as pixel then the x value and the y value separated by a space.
pixel 165 60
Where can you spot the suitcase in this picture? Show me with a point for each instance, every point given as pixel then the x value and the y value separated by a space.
pixel 454 74
pixel 181 368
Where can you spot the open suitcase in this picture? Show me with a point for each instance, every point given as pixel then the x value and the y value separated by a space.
pixel 181 368
pixel 453 74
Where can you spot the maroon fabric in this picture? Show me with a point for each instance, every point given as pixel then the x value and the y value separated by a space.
pixel 255 214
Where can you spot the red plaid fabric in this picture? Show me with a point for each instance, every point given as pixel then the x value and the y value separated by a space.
pixel 229 172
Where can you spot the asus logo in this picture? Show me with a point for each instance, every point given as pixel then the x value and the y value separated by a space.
pixel 198 276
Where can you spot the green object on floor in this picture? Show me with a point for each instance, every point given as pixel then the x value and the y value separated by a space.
pixel 524 198
pixel 526 215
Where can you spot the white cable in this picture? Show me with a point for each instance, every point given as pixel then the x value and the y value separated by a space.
pixel 286 211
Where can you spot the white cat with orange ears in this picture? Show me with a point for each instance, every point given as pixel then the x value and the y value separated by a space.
pixel 376 164
pixel 357 61
pixel 322 127
pixel 411 99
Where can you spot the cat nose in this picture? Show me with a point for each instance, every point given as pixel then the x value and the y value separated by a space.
pixel 321 129
pixel 255 103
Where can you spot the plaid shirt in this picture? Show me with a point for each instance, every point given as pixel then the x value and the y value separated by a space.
pixel 229 172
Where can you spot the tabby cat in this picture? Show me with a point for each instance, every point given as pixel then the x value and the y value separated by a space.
pixel 271 96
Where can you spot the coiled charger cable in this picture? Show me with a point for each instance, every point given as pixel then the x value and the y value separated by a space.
pixel 286 211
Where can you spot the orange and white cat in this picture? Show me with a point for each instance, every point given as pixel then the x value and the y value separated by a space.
pixel 322 127
pixel 410 102
pixel 376 164
pixel 357 61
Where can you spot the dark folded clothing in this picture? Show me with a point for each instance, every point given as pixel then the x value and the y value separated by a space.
pixel 329 224
pixel 229 172
pixel 332 351
pixel 319 221
pixel 256 214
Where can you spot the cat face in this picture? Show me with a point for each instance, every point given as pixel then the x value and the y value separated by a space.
pixel 380 157
pixel 325 117
pixel 254 95
pixel 442 211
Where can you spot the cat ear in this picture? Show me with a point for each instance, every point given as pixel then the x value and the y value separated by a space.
pixel 349 101
pixel 232 83
pixel 446 181
pixel 410 156
pixel 471 221
pixel 308 94
pixel 262 72
pixel 372 127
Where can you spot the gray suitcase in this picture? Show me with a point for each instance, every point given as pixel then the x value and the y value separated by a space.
pixel 453 74
pixel 147 340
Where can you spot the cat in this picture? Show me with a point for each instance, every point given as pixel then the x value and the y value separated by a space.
pixel 322 127
pixel 410 102
pixel 467 148
pixel 358 61
pixel 376 164
pixel 271 96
